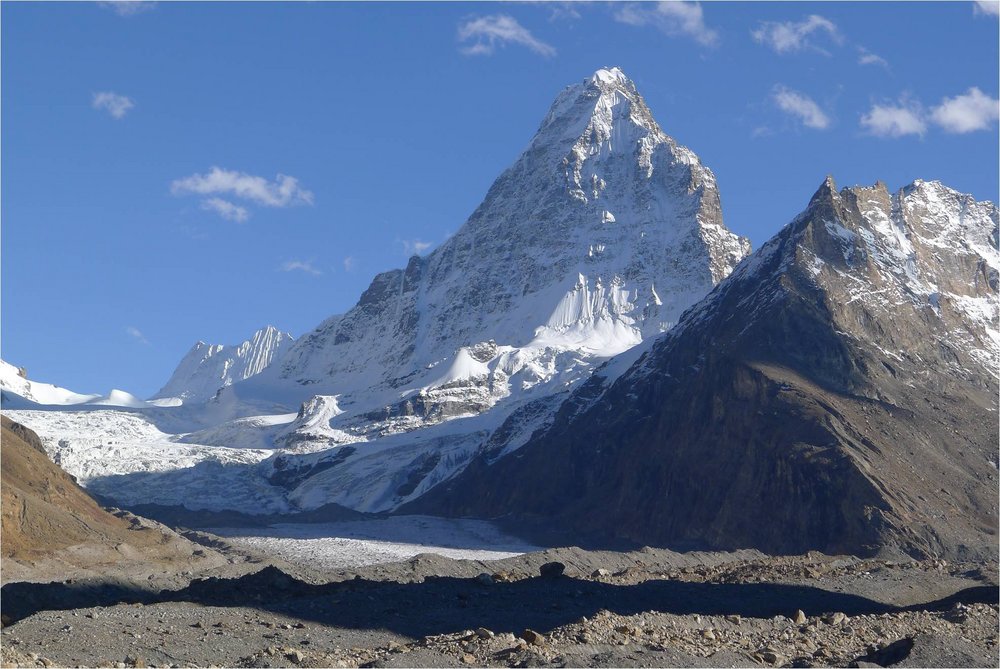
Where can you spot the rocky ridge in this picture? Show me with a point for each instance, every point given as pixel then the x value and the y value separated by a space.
pixel 836 392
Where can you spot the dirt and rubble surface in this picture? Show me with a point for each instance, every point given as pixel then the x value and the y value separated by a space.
pixel 559 607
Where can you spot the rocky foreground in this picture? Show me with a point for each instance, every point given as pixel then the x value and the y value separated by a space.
pixel 563 607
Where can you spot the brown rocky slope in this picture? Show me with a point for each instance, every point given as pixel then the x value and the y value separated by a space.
pixel 836 393
pixel 52 528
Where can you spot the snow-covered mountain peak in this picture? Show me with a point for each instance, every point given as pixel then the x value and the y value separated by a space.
pixel 14 380
pixel 604 111
pixel 208 367
pixel 604 224
pixel 611 76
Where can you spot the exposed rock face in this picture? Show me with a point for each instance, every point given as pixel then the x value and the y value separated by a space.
pixel 208 367
pixel 837 392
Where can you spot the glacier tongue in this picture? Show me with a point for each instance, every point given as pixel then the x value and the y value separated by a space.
pixel 600 234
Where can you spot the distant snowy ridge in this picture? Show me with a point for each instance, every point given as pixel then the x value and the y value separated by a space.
pixel 20 392
pixel 208 367
pixel 13 383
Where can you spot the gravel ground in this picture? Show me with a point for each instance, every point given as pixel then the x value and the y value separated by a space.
pixel 645 608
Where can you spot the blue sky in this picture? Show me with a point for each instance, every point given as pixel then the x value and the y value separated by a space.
pixel 388 122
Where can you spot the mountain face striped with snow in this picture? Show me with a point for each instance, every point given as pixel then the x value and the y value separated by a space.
pixel 208 367
pixel 601 233
pixel 838 392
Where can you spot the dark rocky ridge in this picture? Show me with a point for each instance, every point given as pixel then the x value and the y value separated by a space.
pixel 814 400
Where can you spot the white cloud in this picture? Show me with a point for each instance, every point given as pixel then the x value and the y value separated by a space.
pixel 350 263
pixel 134 332
pixel 802 107
pixel 866 57
pixel 986 7
pixel 486 33
pixel 791 36
pixel 413 247
pixel 895 120
pixel 300 266
pixel 560 10
pixel 226 209
pixel 672 18
pixel 114 104
pixel 127 7
pixel 564 11
pixel 284 191
pixel 967 113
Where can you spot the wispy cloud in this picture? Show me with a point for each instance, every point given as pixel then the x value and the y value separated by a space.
pixel 136 334
pixel 801 106
pixel 967 113
pixel 127 7
pixel 483 35
pixel 284 191
pixel 791 36
pixel 672 18
pixel 226 209
pixel 113 103
pixel 300 266
pixel 866 57
pixel 895 120
pixel 564 11
pixel 986 7
pixel 350 263
pixel 414 246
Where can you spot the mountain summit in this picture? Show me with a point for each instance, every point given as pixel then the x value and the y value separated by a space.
pixel 602 232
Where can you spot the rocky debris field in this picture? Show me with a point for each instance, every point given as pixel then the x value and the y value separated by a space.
pixel 562 607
